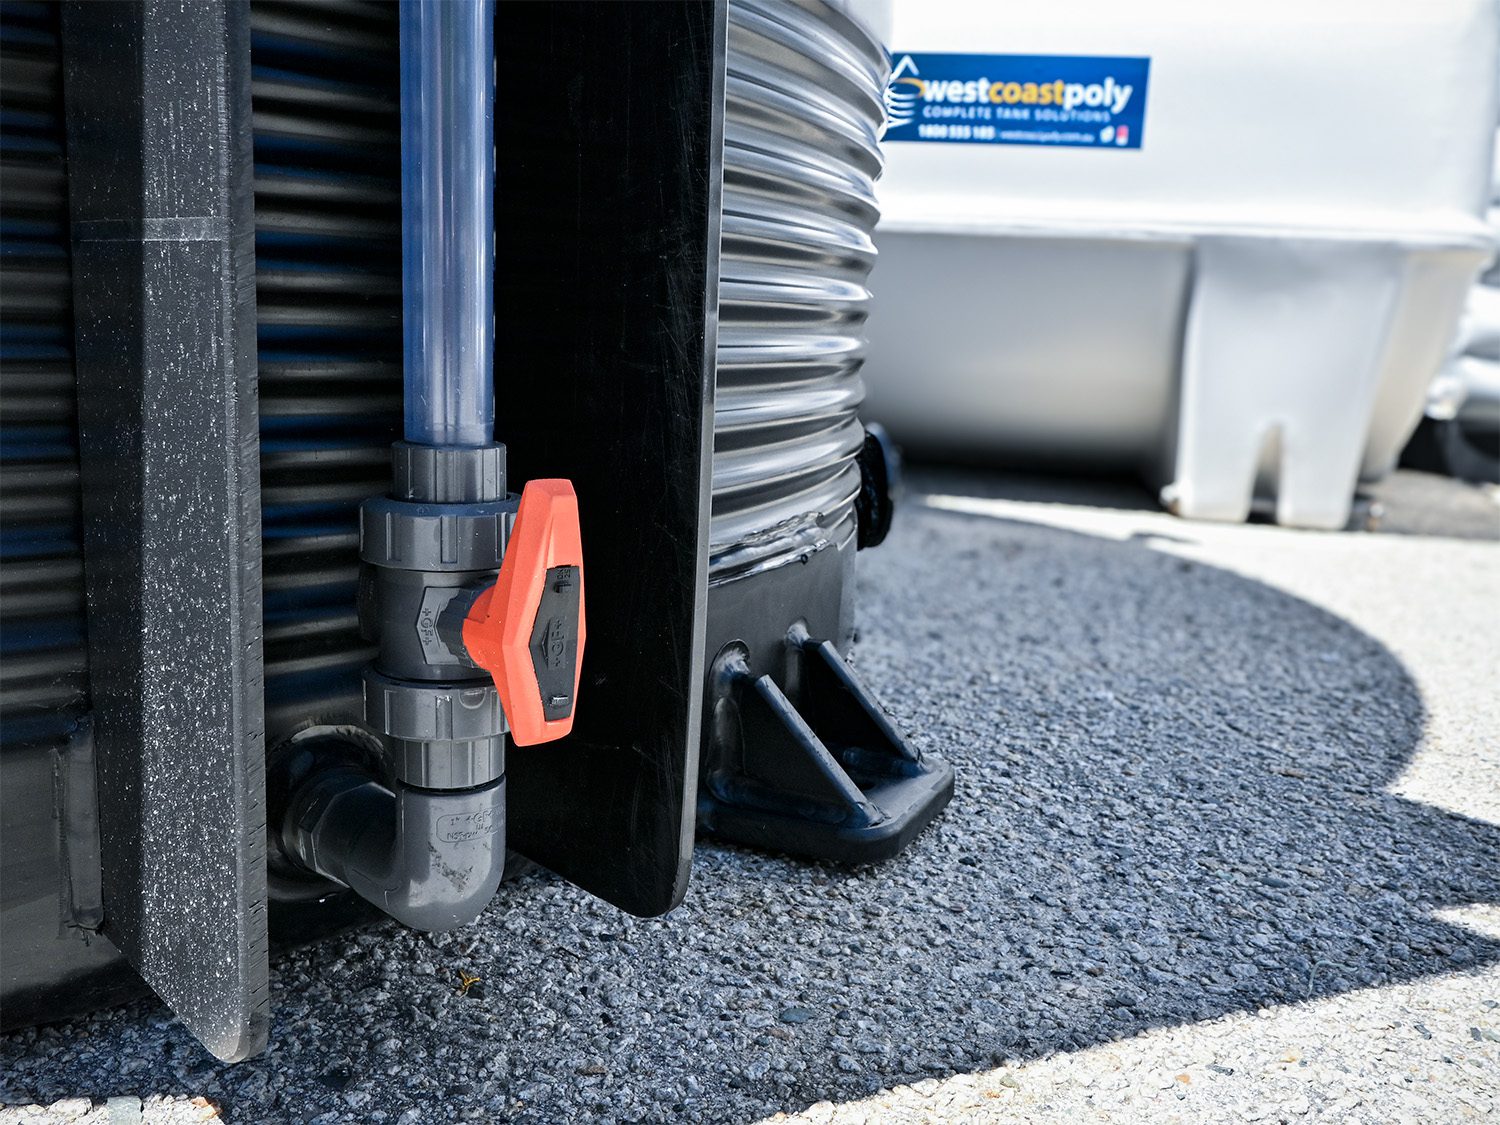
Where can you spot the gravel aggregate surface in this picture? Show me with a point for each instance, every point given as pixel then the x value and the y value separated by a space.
pixel 1225 846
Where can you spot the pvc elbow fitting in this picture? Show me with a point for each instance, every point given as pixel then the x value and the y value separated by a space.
pixel 430 858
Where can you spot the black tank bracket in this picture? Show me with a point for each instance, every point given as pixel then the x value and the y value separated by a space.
pixel 814 767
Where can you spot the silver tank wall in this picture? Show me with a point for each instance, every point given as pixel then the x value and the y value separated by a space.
pixel 802 121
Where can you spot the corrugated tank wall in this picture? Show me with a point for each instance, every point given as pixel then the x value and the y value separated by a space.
pixel 328 287
pixel 802 120
pixel 42 640
pixel 44 690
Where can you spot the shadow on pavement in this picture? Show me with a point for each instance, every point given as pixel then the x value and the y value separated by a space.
pixel 1172 804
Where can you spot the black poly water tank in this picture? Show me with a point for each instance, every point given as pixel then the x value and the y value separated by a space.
pixel 797 755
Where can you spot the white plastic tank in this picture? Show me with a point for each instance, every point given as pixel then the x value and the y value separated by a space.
pixel 1222 244
pixel 1465 397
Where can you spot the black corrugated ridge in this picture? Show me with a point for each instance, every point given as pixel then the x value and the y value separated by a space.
pixel 42 639
pixel 325 90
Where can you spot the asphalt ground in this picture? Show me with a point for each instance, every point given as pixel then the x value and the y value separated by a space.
pixel 1225 846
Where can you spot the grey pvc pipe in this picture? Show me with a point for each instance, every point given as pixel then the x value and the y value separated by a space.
pixel 447 208
pixel 430 858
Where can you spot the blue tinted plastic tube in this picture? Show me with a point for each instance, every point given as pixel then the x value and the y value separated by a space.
pixel 447 235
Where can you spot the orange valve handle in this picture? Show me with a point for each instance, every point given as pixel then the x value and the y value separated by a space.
pixel 527 630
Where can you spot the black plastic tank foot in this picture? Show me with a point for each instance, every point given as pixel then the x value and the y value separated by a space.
pixel 816 769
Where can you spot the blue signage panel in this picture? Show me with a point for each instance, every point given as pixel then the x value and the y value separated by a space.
pixel 1085 101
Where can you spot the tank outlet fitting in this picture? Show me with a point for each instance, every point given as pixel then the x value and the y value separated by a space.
pixel 475 599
